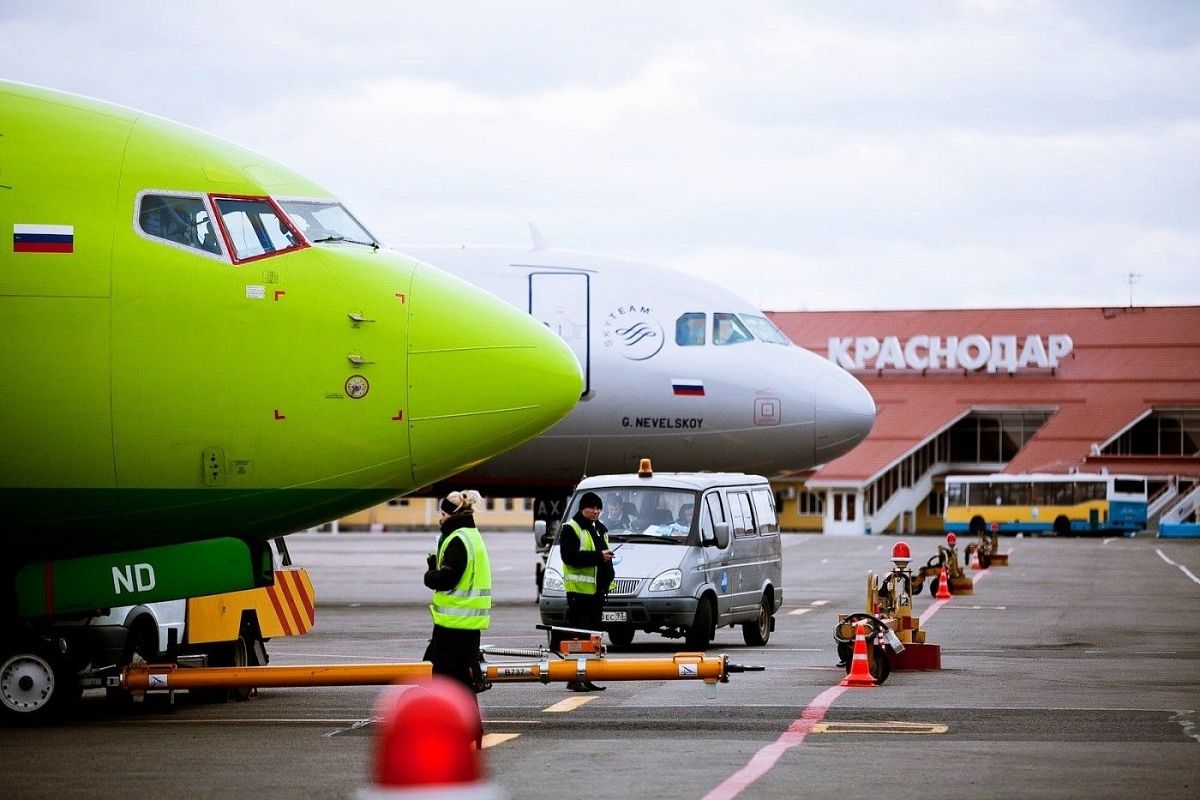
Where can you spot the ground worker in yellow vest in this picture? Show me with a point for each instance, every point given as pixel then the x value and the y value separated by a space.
pixel 587 570
pixel 461 577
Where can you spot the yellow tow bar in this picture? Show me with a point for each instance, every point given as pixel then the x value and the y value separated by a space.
pixel 150 677
pixel 581 660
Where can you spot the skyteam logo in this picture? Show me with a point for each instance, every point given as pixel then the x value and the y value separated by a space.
pixel 634 332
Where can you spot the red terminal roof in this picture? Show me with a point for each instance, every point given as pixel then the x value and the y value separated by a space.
pixel 1124 363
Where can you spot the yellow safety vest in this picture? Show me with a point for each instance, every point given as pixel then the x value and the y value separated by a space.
pixel 581 580
pixel 468 606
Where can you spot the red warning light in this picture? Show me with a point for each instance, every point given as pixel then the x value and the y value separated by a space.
pixel 427 737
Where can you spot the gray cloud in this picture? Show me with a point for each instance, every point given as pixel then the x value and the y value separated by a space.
pixel 865 155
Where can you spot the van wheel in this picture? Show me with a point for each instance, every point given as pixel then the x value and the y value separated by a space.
pixel 701 632
pixel 758 632
pixel 621 637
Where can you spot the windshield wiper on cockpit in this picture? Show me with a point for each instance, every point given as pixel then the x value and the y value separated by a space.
pixel 337 237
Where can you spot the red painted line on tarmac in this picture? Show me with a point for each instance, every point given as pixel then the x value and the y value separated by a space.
pixel 933 609
pixel 762 761
pixel 766 758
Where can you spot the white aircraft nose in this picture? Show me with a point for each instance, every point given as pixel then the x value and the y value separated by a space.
pixel 845 413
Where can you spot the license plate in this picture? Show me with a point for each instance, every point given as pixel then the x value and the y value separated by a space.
pixel 614 616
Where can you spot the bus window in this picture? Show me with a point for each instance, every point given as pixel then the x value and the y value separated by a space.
pixel 956 494
pixel 1129 486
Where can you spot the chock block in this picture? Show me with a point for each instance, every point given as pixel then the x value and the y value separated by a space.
pixel 963 585
pixel 1000 559
pixel 917 656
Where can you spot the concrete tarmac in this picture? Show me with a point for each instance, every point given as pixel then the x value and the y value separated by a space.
pixel 1072 673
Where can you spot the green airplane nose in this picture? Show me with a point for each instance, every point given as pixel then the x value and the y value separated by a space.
pixel 483 376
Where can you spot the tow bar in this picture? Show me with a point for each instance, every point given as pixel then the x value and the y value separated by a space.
pixel 579 659
pixel 584 660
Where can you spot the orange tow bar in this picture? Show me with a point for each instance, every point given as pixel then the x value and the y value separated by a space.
pixel 146 677
pixel 683 666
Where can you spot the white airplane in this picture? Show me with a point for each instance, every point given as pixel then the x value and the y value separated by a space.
pixel 676 369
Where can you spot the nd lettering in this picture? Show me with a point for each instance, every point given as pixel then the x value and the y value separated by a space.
pixel 133 577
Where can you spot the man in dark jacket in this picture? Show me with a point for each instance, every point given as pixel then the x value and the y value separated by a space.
pixel 587 570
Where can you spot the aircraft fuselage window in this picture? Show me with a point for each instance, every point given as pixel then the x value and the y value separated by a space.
pixel 764 330
pixel 255 228
pixel 180 220
pixel 326 221
pixel 728 329
pixel 689 329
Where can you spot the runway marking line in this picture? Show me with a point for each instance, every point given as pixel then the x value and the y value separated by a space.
pixel 1186 571
pixel 879 727
pixel 570 704
pixel 798 611
pixel 820 602
pixel 494 739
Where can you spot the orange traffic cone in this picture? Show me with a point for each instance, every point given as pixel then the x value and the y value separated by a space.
pixel 860 671
pixel 943 592
pixel 975 559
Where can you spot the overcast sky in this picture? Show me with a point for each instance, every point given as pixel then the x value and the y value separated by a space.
pixel 825 155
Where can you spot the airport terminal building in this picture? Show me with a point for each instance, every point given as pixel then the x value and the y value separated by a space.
pixel 1055 390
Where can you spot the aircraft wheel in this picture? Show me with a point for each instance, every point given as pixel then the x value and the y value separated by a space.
pixel 37 685
pixel 758 632
pixel 701 632
pixel 621 637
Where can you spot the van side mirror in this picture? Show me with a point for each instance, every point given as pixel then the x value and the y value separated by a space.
pixel 539 533
pixel 721 534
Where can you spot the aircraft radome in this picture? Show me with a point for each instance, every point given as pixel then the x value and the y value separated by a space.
pixel 203 350
pixel 675 369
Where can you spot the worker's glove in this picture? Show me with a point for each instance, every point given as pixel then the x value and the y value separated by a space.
pixel 431 560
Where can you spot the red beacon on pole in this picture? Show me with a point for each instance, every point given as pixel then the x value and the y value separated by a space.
pixel 426 745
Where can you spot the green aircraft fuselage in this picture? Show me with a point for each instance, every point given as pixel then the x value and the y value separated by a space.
pixel 185 355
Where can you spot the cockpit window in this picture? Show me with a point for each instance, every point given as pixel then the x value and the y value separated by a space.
pixel 689 329
pixel 178 219
pixel 764 330
pixel 325 221
pixel 255 228
pixel 728 329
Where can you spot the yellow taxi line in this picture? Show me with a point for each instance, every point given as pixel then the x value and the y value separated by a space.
pixel 493 739
pixel 570 704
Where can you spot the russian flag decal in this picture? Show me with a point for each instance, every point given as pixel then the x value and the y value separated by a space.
pixel 43 238
pixel 688 387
